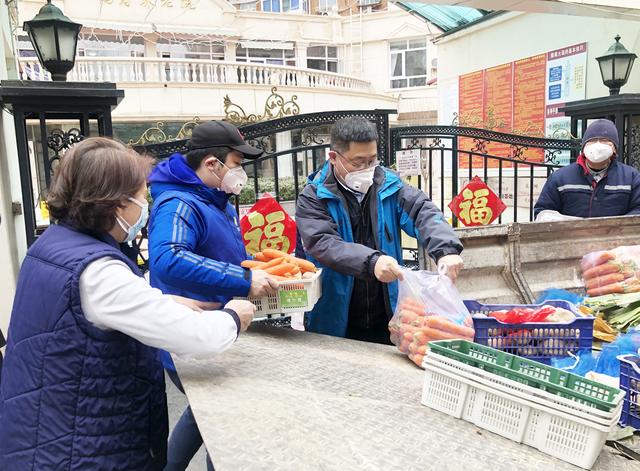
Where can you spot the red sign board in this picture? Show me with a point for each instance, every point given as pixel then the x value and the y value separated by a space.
pixel 477 204
pixel 268 226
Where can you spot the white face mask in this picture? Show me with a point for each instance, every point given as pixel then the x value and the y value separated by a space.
pixel 233 181
pixel 597 152
pixel 360 180
pixel 133 230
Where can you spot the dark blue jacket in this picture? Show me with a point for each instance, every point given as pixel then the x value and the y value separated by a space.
pixel 195 245
pixel 572 191
pixel 73 396
pixel 325 228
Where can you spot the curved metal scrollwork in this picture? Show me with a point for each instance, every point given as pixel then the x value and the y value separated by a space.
pixel 414 143
pixel 311 136
pixel 59 140
pixel 517 152
pixel 480 146
pixel 275 107
pixel 157 135
pixel 552 157
pixel 437 143
pixel 263 143
pixel 475 119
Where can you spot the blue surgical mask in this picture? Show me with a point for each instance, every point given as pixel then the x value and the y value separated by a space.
pixel 133 230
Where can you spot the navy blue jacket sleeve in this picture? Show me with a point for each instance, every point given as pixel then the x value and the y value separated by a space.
pixel 549 198
pixel 174 234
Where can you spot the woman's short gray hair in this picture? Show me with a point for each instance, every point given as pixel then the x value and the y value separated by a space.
pixel 352 129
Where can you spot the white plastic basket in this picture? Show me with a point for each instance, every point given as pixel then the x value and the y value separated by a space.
pixel 568 437
pixel 292 296
pixel 524 391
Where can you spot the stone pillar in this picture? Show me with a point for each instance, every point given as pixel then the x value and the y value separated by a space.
pixel 301 54
pixel 151 70
pixel 230 51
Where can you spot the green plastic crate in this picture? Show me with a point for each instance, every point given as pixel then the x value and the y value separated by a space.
pixel 529 372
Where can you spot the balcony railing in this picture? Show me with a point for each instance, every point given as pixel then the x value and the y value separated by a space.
pixel 193 71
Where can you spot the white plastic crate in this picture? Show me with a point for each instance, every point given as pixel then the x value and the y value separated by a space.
pixel 524 391
pixel 570 438
pixel 292 296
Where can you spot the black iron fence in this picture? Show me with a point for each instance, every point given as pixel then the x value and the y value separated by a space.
pixel 514 166
pixel 294 147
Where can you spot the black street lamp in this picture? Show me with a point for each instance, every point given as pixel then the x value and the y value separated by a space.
pixel 54 37
pixel 615 66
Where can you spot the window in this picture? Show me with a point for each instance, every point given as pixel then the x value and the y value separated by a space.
pixel 323 58
pixel 183 49
pixel 266 56
pixel 285 6
pixel 326 5
pixel 408 65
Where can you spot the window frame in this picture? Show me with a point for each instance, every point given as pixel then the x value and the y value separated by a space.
pixel 302 6
pixel 327 58
pixel 282 60
pixel 403 54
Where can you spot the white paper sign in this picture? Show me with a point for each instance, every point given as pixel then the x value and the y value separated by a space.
pixel 408 162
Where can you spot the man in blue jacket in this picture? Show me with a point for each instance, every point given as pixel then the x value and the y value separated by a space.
pixel 596 185
pixel 195 245
pixel 349 218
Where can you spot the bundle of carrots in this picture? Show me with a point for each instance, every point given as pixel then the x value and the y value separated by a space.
pixel 611 271
pixel 412 328
pixel 280 265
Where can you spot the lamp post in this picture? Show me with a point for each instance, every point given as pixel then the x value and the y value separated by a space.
pixel 54 37
pixel 615 66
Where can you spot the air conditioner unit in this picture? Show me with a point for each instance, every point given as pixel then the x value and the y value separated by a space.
pixel 369 3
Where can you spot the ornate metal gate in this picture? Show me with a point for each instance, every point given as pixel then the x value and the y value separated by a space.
pixel 515 166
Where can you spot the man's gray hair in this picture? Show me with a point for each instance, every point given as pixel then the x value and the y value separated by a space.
pixel 353 129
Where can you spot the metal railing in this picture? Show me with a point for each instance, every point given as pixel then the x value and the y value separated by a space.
pixel 193 71
pixel 515 167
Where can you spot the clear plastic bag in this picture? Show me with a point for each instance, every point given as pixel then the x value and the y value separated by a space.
pixel 429 308
pixel 612 271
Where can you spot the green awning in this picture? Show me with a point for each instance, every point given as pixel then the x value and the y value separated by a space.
pixel 445 17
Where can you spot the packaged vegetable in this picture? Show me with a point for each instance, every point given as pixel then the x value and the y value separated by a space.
pixel 429 308
pixel 612 271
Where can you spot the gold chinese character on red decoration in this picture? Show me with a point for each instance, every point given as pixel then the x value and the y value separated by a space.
pixel 269 236
pixel 268 226
pixel 474 207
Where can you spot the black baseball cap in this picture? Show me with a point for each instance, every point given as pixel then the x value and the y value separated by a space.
pixel 221 134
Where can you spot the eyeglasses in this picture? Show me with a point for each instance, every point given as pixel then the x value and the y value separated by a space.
pixel 359 166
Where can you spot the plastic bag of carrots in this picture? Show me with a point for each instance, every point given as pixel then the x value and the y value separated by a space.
pixel 429 308
pixel 281 265
pixel 612 271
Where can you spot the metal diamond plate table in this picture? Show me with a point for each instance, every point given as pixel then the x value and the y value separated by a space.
pixel 287 400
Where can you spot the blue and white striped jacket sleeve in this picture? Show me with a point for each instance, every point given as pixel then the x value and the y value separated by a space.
pixel 173 236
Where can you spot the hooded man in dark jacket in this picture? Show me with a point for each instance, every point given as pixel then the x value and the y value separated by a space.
pixel 596 185
pixel 349 218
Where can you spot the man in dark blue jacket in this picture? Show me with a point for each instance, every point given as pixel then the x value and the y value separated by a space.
pixel 596 185
pixel 195 245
